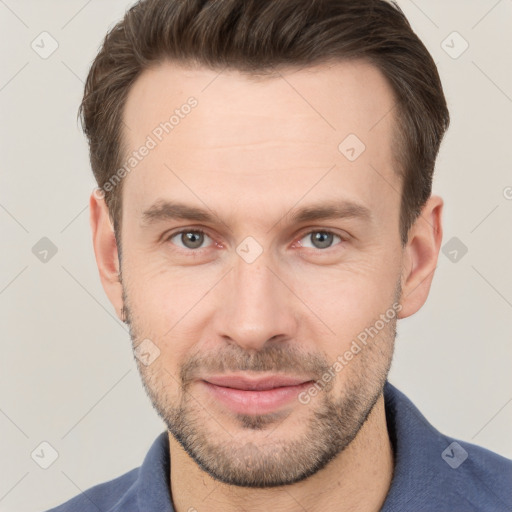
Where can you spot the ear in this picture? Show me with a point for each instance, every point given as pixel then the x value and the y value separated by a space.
pixel 105 250
pixel 420 257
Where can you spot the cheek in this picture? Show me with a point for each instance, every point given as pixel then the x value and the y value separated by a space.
pixel 165 307
pixel 163 296
pixel 348 299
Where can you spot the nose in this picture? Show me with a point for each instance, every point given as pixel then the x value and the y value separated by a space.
pixel 255 305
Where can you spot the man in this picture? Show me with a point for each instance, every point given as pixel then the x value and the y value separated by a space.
pixel 264 217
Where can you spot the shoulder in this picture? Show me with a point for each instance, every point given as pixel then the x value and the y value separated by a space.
pixel 477 476
pixel 105 496
pixel 143 488
pixel 435 472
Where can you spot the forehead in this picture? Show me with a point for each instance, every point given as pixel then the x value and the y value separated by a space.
pixel 222 130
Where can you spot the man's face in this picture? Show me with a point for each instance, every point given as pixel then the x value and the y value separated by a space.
pixel 266 289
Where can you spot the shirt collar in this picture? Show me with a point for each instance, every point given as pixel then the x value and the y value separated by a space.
pixel 416 443
pixel 153 492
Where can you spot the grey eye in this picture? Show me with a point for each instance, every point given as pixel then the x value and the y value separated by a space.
pixel 320 239
pixel 190 239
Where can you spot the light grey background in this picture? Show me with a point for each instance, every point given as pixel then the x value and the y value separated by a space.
pixel 67 373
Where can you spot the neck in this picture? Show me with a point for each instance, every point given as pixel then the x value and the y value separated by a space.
pixel 357 479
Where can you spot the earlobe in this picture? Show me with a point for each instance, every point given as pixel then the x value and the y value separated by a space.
pixel 105 250
pixel 420 257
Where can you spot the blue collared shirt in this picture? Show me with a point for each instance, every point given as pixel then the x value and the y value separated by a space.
pixel 433 473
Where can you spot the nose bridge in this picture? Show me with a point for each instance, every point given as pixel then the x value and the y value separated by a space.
pixel 255 305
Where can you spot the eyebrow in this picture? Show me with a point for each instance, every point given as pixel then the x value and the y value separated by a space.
pixel 171 210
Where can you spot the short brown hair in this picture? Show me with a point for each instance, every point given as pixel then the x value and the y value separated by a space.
pixel 258 37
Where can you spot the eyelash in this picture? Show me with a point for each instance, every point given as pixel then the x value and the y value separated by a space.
pixel 201 231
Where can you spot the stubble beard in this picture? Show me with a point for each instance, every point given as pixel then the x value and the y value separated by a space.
pixel 261 452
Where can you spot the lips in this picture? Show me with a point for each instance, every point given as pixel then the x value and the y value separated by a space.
pixel 256 384
pixel 245 395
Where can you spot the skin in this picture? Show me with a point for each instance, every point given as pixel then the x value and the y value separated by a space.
pixel 254 151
